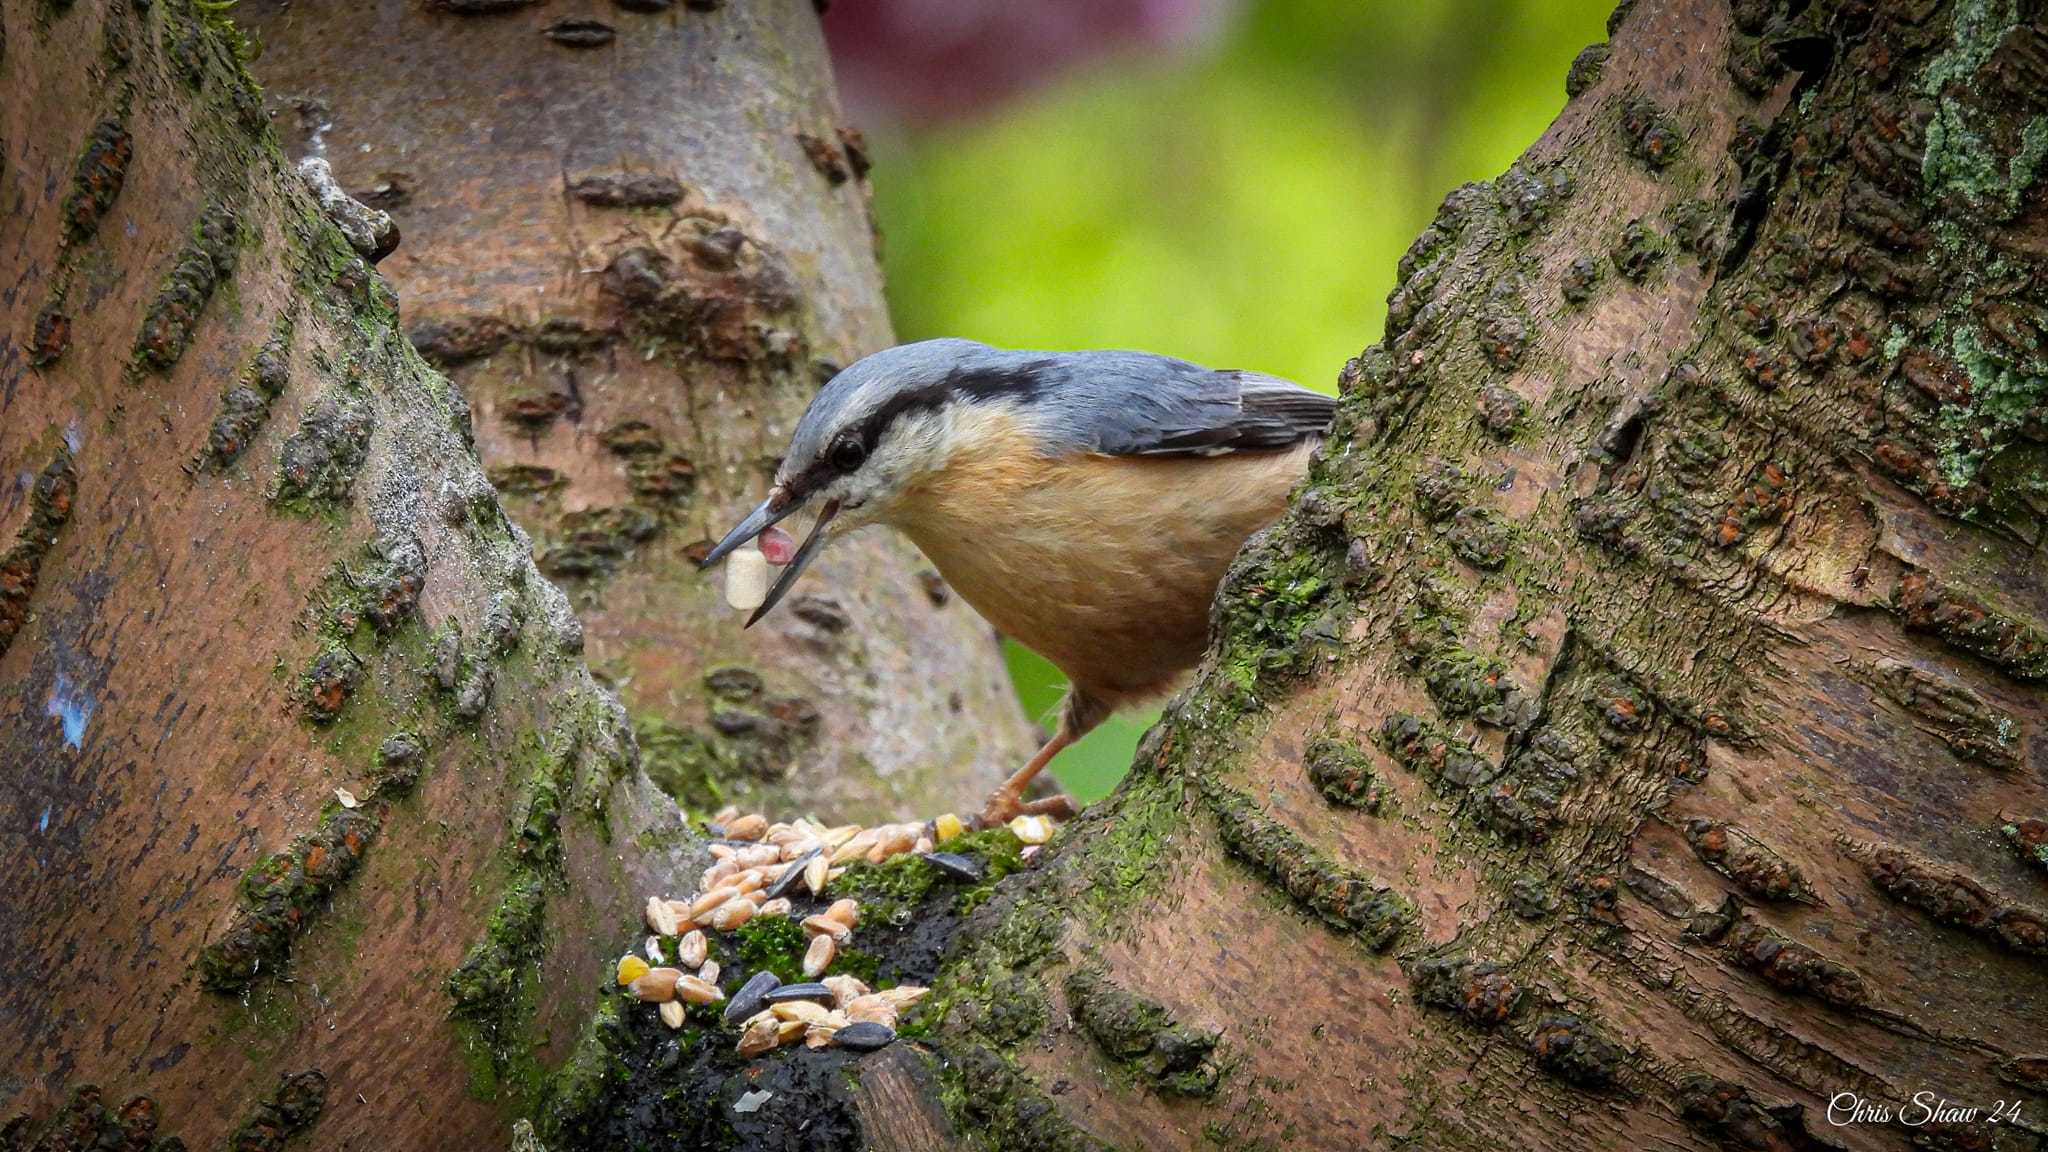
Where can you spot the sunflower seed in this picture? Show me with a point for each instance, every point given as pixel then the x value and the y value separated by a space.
pixel 957 867
pixel 804 991
pixel 865 1036
pixel 748 999
pixel 794 872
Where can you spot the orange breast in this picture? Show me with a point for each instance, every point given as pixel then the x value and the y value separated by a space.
pixel 1104 565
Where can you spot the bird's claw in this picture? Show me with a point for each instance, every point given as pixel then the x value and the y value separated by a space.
pixel 1005 805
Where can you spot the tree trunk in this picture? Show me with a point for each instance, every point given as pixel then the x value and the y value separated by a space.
pixel 314 817
pixel 1634 737
pixel 637 238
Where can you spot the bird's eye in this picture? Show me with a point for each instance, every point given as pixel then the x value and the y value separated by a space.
pixel 848 455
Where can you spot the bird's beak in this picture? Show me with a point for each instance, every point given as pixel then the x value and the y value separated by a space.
pixel 797 563
pixel 775 508
pixel 769 512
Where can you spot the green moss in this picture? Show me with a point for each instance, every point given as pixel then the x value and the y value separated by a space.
pixel 904 882
pixel 774 943
pixel 1278 612
pixel 684 763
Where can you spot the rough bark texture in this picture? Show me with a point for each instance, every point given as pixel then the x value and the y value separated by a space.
pixel 1634 738
pixel 636 236
pixel 314 820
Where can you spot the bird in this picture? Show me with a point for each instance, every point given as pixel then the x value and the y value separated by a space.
pixel 1087 503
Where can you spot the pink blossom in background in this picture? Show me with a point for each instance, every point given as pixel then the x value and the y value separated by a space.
pixel 924 60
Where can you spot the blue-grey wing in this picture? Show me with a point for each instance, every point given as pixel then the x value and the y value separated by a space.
pixel 1133 404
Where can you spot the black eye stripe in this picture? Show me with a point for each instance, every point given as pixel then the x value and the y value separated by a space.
pixel 1024 382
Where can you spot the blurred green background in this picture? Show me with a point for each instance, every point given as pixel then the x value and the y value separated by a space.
pixel 1241 202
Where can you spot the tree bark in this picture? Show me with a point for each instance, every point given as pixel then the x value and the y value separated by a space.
pixel 636 236
pixel 1634 736
pixel 318 823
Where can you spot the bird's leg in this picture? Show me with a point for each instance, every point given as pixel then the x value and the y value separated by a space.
pixel 1078 714
pixel 1005 801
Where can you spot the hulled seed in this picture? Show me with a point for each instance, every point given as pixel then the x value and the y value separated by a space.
pixel 828 928
pixel 709 972
pixel 697 990
pixel 814 874
pixel 895 842
pixel 692 949
pixel 733 913
pixel 660 918
pixel 847 912
pixel 819 955
pixel 746 580
pixel 808 1011
pixel 845 989
pixel 759 1038
pixel 711 901
pixel 672 1014
pixel 778 907
pixel 903 996
pixel 871 1008
pixel 656 985
pixel 749 827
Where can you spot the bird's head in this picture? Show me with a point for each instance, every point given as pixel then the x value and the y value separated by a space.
pixel 874 430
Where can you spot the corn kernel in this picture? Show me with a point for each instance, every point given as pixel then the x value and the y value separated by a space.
pixel 631 968
pixel 1032 829
pixel 947 827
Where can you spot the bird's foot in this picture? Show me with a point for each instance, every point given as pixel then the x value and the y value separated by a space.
pixel 1004 805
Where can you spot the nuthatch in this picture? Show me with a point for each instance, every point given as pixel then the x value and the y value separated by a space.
pixel 1085 503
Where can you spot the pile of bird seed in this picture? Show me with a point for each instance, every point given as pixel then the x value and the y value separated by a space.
pixel 756 866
